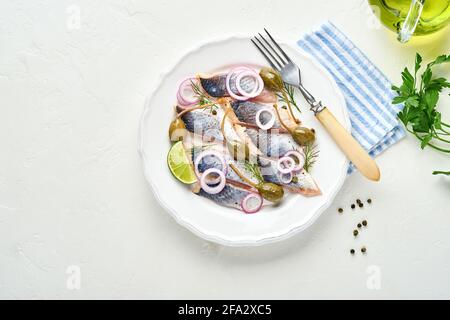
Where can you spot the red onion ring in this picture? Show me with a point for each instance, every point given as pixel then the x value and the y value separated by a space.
pixel 216 189
pixel 181 95
pixel 228 85
pixel 269 124
pixel 183 103
pixel 300 157
pixel 257 89
pixel 209 153
pixel 286 177
pixel 230 92
pixel 244 203
pixel 284 160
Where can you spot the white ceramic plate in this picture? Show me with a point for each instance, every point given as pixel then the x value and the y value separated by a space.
pixel 204 217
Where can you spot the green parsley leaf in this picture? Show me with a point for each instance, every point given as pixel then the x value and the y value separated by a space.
pixel 419 115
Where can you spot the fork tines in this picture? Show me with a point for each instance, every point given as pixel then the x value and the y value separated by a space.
pixel 276 58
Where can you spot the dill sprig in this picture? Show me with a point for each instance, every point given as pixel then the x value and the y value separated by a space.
pixel 202 97
pixel 289 90
pixel 254 170
pixel 311 154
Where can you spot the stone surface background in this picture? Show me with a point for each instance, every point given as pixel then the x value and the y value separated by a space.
pixel 72 190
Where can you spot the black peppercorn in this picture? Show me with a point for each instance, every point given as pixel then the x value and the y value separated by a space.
pixel 364 223
pixel 214 112
pixel 359 225
pixel 358 201
pixel 355 232
pixel 360 205
pixel 340 210
pixel 353 206
pixel 363 249
pixel 352 251
pixel 369 200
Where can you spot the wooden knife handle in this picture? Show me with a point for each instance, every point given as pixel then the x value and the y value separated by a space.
pixel 351 148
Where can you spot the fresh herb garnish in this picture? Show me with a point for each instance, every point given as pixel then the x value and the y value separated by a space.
pixel 311 154
pixel 420 97
pixel 254 170
pixel 203 98
pixel 273 81
pixel 447 173
pixel 289 90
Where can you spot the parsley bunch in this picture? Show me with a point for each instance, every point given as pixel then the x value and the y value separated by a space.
pixel 420 98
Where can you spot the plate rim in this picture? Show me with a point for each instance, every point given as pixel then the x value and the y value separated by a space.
pixel 184 222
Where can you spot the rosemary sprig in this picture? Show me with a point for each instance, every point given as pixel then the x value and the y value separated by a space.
pixel 289 90
pixel 311 154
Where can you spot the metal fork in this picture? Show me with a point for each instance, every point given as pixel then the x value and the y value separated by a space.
pixel 290 73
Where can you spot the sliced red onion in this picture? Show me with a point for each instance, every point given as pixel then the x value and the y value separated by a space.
pixel 206 185
pixel 209 153
pixel 285 164
pixel 230 92
pixel 269 123
pixel 247 206
pixel 300 159
pixel 186 95
pixel 257 88
pixel 183 103
pixel 286 177
pixel 232 75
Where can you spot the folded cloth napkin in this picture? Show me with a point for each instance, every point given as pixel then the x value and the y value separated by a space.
pixel 366 90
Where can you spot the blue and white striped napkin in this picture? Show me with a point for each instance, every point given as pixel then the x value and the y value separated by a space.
pixel 367 91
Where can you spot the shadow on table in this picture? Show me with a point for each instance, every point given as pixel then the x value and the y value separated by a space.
pixel 296 246
pixel 293 246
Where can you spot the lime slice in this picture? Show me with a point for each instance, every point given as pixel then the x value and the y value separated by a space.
pixel 179 164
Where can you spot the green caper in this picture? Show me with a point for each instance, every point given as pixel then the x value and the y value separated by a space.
pixel 303 136
pixel 272 79
pixel 177 130
pixel 270 191
pixel 238 150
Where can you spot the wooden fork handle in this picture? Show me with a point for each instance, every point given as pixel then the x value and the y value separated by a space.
pixel 351 148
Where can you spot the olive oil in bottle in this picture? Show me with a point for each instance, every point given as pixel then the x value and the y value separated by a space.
pixel 419 17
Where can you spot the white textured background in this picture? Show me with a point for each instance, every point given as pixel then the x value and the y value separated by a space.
pixel 72 191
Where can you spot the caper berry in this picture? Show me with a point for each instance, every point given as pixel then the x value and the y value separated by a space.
pixel 272 79
pixel 270 191
pixel 177 130
pixel 303 136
